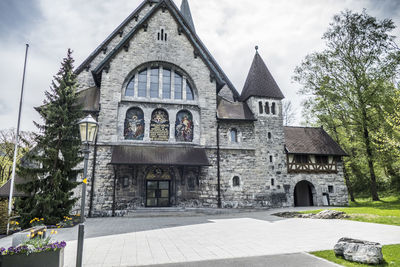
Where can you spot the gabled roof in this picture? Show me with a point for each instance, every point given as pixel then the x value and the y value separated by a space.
pixel 5 188
pixel 111 36
pixel 260 82
pixel 185 10
pixel 216 71
pixel 305 140
pixel 234 111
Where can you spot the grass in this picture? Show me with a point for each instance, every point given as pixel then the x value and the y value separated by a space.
pixel 386 211
pixel 391 256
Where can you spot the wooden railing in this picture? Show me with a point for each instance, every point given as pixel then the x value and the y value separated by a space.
pixel 312 168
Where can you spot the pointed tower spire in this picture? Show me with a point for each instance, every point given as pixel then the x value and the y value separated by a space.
pixel 260 81
pixel 185 10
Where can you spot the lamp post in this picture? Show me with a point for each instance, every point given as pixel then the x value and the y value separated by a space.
pixel 88 128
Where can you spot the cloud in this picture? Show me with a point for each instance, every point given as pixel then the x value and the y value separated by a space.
pixel 286 31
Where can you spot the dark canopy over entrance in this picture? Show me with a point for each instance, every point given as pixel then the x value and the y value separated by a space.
pixel 161 156
pixel 304 194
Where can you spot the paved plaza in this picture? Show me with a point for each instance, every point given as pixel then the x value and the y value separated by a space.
pixel 240 239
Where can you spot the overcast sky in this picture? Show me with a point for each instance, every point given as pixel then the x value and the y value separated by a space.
pixel 285 30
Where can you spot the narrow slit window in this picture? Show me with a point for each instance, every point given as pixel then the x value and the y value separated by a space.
pixel 269 136
pixel 162 34
pixel 130 88
pixel 260 107
pixel 154 83
pixel 266 108
pixel 142 83
pixel 166 84
pixel 234 138
pixel 273 108
pixel 271 159
pixel 272 182
pixel 178 86
pixel 165 37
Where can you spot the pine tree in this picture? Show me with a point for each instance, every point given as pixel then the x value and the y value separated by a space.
pixel 51 180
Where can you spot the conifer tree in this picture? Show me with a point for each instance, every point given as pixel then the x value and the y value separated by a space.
pixel 51 179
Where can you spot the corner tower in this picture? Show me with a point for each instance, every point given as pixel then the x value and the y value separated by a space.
pixel 264 97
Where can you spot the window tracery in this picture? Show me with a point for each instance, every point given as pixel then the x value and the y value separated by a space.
pixel 161 82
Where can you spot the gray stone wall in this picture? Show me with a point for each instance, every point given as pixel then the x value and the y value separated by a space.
pixel 258 158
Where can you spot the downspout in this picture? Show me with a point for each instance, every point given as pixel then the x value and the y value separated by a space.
pixel 114 191
pixel 218 167
pixel 93 178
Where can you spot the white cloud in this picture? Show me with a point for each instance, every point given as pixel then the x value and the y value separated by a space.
pixel 286 31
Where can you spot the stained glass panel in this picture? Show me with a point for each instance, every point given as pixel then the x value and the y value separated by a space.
pixel 184 126
pixel 134 124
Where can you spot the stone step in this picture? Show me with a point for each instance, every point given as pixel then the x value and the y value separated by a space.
pixel 181 212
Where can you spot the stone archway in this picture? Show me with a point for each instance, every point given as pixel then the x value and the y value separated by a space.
pixel 304 194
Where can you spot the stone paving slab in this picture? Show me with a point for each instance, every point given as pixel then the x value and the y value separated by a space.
pixel 285 260
pixel 225 239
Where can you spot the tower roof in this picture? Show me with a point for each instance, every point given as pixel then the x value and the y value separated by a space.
pixel 260 81
pixel 185 10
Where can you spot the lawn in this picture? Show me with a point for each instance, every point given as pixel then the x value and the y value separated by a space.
pixel 386 211
pixel 390 255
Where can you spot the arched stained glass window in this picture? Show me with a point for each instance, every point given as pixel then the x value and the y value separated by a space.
pixel 178 86
pixel 189 92
pixel 130 88
pixel 142 83
pixel 159 126
pixel 184 126
pixel 134 124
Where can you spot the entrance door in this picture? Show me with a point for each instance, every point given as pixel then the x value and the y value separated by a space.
pixel 158 193
pixel 303 194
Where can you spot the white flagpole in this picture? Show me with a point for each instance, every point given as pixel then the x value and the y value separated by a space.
pixel 16 143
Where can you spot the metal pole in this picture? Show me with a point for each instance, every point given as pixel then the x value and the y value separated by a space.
pixel 81 232
pixel 16 142
pixel 218 167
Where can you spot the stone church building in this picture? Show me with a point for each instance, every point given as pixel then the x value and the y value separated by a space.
pixel 175 132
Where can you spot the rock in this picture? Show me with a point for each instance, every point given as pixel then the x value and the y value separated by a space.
pixel 330 214
pixel 359 251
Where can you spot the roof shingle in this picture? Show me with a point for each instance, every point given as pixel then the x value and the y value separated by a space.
pixel 260 82
pixel 303 140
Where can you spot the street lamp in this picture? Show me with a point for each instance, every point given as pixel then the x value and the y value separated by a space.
pixel 88 128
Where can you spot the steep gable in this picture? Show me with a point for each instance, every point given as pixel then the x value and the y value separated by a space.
pixel 260 82
pixel 216 73
pixel 109 43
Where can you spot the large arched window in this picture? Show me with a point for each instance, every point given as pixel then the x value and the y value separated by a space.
pixel 134 124
pixel 159 125
pixel 160 81
pixel 184 126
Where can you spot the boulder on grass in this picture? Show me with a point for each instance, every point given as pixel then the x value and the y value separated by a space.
pixel 330 214
pixel 359 251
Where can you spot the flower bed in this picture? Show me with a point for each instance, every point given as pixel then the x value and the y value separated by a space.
pixel 35 252
pixel 28 249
